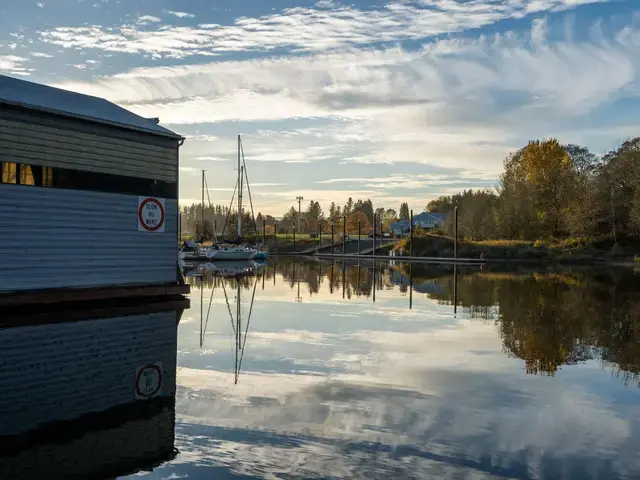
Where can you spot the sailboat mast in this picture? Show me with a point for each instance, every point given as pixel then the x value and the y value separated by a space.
pixel 239 192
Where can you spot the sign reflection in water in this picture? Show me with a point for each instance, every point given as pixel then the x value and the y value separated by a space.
pixel 451 373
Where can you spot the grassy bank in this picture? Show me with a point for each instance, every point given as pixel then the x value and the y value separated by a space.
pixel 594 250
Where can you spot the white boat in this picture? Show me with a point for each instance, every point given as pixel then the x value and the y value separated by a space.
pixel 230 252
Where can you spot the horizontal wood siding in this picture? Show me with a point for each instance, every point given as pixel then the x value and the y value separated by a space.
pixel 52 238
pixel 46 145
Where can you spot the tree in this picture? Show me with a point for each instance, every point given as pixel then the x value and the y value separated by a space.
pixel 390 216
pixel 365 207
pixel 334 212
pixel 621 175
pixel 440 205
pixel 348 208
pixel 352 222
pixel 313 215
pixel 539 181
pixel 404 211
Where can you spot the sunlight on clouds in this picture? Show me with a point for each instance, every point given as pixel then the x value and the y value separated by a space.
pixel 328 26
pixel 459 103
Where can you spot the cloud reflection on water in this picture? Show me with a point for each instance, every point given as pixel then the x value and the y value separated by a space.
pixel 388 392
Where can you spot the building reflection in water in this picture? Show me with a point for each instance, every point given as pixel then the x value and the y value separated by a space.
pixel 88 393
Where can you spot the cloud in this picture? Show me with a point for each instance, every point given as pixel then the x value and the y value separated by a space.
pixel 179 14
pixel 453 81
pixel 40 55
pixel 147 19
pixel 457 104
pixel 212 159
pixel 13 65
pixel 328 26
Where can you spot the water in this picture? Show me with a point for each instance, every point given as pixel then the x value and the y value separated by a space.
pixel 390 371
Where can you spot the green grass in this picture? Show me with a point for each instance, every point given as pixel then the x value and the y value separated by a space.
pixel 576 249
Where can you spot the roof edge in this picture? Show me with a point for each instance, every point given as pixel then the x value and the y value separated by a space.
pixel 61 113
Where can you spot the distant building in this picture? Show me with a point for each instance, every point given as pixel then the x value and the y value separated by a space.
pixel 426 220
pixel 75 172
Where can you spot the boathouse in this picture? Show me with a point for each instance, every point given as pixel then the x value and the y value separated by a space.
pixel 88 196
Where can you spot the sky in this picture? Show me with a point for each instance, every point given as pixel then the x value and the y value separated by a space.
pixel 393 100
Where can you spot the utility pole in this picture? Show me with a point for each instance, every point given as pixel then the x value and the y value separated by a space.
pixel 300 198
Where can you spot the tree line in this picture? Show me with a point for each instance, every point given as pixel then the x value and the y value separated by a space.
pixel 220 218
pixel 553 190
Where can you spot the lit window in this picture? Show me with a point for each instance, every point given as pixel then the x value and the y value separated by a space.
pixel 26 175
pixel 47 176
pixel 9 172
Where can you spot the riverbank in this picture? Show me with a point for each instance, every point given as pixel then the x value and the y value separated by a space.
pixel 574 250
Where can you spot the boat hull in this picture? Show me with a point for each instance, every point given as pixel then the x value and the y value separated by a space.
pixel 224 255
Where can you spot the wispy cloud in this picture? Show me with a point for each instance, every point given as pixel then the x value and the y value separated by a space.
pixel 464 103
pixel 179 14
pixel 327 26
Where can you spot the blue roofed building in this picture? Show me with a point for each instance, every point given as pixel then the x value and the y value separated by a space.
pixel 426 220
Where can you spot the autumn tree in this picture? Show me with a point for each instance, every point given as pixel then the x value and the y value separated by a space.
pixel 352 222
pixel 537 186
pixel 390 216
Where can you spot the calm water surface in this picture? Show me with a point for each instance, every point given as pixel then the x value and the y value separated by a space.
pixel 387 371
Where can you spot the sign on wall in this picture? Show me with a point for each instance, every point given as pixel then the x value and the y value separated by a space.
pixel 151 214
pixel 148 381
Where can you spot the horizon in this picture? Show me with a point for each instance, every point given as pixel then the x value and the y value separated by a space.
pixel 392 101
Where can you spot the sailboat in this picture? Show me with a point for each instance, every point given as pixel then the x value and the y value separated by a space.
pixel 233 250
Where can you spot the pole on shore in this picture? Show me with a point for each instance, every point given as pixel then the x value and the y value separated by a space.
pixel 344 235
pixel 275 235
pixel 455 232
pixel 264 233
pixel 373 252
pixel 411 235
pixel 358 237
pixel 332 238
pixel 294 236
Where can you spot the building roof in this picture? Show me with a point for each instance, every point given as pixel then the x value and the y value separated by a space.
pixel 34 96
pixel 438 217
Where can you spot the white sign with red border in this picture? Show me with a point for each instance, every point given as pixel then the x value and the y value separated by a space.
pixel 148 381
pixel 151 214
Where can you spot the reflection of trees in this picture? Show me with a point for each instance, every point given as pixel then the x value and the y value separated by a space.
pixel 550 320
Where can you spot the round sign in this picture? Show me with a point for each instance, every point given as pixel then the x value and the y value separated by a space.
pixel 148 381
pixel 151 214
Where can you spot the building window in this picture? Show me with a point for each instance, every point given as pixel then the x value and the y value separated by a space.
pixel 9 172
pixel 26 175
pixel 47 176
